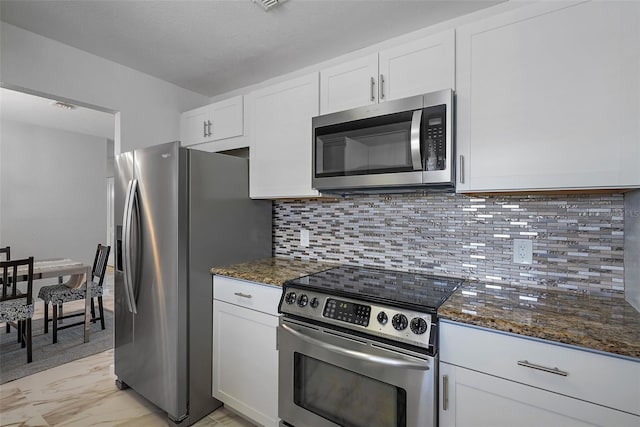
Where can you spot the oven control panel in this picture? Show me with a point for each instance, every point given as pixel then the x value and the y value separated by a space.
pixel 358 314
pixel 377 319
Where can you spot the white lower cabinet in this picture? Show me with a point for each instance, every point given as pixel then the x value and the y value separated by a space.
pixel 477 399
pixel 494 379
pixel 245 358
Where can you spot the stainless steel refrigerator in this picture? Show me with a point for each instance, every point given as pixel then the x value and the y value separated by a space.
pixel 179 212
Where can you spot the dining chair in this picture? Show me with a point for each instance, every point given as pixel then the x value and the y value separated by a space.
pixel 59 294
pixel 16 307
pixel 6 251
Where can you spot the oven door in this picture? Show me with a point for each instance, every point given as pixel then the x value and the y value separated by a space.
pixel 329 378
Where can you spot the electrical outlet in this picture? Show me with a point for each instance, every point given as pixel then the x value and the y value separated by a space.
pixel 304 237
pixel 522 251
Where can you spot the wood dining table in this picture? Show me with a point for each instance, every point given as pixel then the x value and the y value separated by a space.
pixel 77 272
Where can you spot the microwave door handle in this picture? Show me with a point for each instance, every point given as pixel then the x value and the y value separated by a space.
pixel 416 159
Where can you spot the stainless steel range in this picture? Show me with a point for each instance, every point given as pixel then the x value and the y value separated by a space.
pixel 358 347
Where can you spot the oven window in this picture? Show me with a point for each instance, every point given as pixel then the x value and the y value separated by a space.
pixel 347 398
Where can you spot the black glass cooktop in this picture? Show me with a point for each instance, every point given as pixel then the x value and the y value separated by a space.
pixel 397 288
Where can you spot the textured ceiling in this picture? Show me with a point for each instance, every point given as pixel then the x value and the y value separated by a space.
pixel 214 46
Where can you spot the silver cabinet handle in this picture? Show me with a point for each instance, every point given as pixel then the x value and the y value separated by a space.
pixel 555 371
pixel 240 294
pixel 461 169
pixel 445 392
pixel 381 86
pixel 373 86
pixel 204 129
pixel 209 124
pixel 416 159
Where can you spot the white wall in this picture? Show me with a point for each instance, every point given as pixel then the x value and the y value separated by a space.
pixel 53 197
pixel 149 107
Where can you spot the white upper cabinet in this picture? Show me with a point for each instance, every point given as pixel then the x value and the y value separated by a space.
pixel 349 85
pixel 280 162
pixel 422 66
pixel 213 122
pixel 548 98
pixel 193 126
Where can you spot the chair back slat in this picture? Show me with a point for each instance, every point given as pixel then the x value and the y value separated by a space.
pixel 100 264
pixel 9 279
pixel 7 253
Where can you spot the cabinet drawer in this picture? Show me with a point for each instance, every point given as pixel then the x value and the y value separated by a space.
pixel 252 295
pixel 597 378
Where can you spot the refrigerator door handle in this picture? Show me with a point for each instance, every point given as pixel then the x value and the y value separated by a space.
pixel 126 244
pixel 135 265
pixel 126 267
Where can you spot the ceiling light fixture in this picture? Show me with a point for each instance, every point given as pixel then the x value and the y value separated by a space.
pixel 63 105
pixel 267 4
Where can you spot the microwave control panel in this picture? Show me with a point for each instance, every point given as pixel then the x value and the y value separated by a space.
pixel 435 137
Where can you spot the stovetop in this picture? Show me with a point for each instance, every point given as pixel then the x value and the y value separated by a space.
pixel 414 291
pixel 397 306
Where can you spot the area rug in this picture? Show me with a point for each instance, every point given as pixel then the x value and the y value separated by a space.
pixel 70 346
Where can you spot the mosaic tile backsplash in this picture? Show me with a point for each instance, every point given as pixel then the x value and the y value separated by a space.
pixel 578 240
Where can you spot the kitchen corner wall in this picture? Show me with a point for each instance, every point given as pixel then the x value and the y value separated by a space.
pixel 578 240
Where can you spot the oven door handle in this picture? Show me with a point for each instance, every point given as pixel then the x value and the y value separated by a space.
pixel 387 361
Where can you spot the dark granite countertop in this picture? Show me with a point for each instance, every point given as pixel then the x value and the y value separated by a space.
pixel 272 271
pixel 602 323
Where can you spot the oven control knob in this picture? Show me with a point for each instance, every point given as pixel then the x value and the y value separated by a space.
pixel 314 302
pixel 400 322
pixel 418 325
pixel 382 318
pixel 303 300
pixel 290 298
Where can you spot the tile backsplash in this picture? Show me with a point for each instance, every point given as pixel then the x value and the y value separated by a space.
pixel 578 240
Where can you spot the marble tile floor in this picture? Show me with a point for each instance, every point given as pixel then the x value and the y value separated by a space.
pixel 83 393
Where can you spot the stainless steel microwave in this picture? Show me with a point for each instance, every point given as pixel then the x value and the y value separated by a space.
pixel 393 146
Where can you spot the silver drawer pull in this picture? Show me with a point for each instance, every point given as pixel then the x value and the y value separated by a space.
pixel 445 392
pixel 240 294
pixel 555 371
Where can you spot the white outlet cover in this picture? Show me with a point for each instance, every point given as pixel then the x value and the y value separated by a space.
pixel 522 251
pixel 304 237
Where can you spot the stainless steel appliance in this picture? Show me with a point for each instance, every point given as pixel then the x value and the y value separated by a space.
pixel 395 145
pixel 181 212
pixel 358 347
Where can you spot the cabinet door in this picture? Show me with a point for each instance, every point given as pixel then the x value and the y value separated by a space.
pixel 226 118
pixel 422 66
pixel 245 361
pixel 349 85
pixel 194 127
pixel 471 398
pixel 280 154
pixel 548 97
